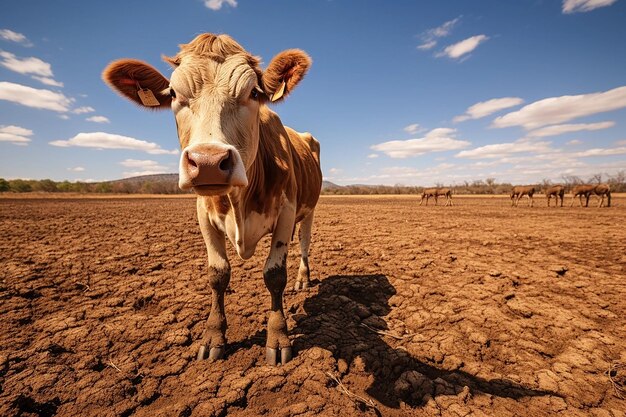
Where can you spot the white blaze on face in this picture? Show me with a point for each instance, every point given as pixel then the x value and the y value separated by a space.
pixel 214 109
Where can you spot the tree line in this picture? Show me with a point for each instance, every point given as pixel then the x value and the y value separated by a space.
pixel 157 185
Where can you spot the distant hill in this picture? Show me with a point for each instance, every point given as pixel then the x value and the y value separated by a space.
pixel 327 185
pixel 164 178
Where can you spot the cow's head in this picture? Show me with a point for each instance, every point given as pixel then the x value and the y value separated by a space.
pixel 215 91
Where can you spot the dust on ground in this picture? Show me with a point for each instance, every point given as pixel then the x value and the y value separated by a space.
pixel 476 309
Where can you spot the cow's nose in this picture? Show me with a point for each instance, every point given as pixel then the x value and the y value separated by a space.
pixel 209 167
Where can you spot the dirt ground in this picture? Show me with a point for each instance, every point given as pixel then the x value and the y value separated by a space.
pixel 479 309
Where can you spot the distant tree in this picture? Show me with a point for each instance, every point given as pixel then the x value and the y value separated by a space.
pixel 571 180
pixel 597 178
pixel 4 185
pixel 46 185
pixel 103 187
pixel 20 186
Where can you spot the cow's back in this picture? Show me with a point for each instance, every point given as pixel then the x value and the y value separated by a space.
pixel 306 170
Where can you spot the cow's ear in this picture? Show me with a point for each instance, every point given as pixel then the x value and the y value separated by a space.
pixel 284 72
pixel 139 82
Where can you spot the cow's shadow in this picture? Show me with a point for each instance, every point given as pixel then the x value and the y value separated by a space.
pixel 334 319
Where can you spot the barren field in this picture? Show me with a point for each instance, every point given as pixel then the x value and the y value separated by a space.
pixel 476 309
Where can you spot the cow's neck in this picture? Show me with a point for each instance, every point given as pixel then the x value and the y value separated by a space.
pixel 268 184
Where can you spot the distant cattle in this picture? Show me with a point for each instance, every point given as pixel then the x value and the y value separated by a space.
pixel 602 190
pixel 252 175
pixel 435 193
pixel 519 191
pixel 580 191
pixel 558 191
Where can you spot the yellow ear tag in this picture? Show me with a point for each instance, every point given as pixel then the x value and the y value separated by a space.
pixel 147 97
pixel 279 93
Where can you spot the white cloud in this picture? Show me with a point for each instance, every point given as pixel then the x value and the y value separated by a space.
pixel 429 37
pixel 555 130
pixel 15 134
pixel 621 143
pixel 102 140
pixel 574 142
pixel 437 140
pixel 372 155
pixel 600 152
pixel 502 150
pixel 485 108
pixel 84 109
pixel 217 4
pixel 143 167
pixel 98 119
pixel 575 6
pixel 76 169
pixel 466 46
pixel 561 109
pixel 9 35
pixel 64 117
pixel 413 129
pixel 427 45
pixel 33 97
pixel 48 81
pixel 141 163
pixel 29 65
pixel 35 67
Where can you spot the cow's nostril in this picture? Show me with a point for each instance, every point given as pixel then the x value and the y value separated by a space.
pixel 226 163
pixel 191 162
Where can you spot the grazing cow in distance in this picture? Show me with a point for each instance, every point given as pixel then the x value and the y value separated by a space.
pixel 558 191
pixel 580 191
pixel 436 192
pixel 252 175
pixel 602 190
pixel 519 191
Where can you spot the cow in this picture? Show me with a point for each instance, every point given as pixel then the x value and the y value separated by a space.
pixel 436 192
pixel 252 175
pixel 602 190
pixel 520 191
pixel 580 191
pixel 558 191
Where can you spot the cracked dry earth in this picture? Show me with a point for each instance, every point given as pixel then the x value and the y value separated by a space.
pixel 478 309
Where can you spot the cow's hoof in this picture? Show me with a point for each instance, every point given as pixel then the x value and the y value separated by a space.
pixel 272 355
pixel 215 353
pixel 201 353
pixel 301 286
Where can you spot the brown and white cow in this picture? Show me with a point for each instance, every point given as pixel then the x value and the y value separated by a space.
pixel 558 191
pixel 580 191
pixel 520 191
pixel 436 192
pixel 252 175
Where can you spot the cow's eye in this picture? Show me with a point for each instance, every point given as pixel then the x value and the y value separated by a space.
pixel 254 94
pixel 172 93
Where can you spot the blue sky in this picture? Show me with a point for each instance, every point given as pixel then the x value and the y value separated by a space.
pixel 402 92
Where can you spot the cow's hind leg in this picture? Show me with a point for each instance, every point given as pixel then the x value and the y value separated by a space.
pixel 278 347
pixel 304 235
pixel 214 339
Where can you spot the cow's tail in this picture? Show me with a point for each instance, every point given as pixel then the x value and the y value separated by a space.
pixel 608 204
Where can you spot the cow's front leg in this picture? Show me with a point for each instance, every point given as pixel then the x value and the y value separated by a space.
pixel 213 343
pixel 275 277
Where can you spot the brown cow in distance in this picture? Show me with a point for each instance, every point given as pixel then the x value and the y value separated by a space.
pixel 580 191
pixel 436 192
pixel 602 190
pixel 519 191
pixel 558 191
pixel 252 175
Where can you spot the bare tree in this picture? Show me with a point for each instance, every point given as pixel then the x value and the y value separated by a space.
pixel 597 178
